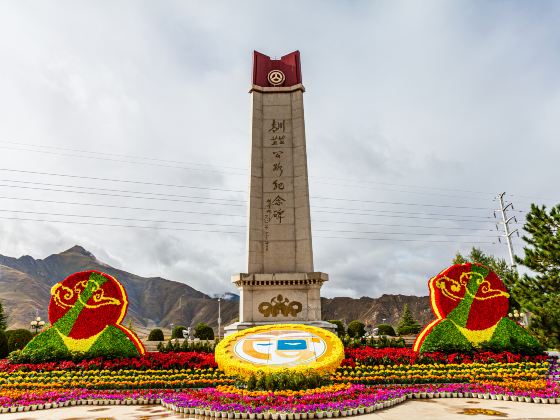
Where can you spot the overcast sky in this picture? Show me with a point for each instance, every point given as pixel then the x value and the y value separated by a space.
pixel 435 106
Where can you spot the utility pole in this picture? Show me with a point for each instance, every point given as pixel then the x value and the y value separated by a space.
pixel 505 223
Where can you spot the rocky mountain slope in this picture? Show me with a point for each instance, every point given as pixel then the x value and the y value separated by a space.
pixel 25 285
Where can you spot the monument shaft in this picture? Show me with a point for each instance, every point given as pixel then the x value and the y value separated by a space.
pixel 280 284
pixel 279 219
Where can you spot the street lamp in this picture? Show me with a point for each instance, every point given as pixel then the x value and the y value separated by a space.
pixel 219 317
pixel 37 324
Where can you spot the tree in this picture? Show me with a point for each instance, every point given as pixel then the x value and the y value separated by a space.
pixel 407 324
pixel 339 327
pixel 385 329
pixel 19 339
pixel 156 335
pixel 540 292
pixel 203 332
pixel 3 318
pixel 3 345
pixel 356 329
pixel 178 332
pixel 505 272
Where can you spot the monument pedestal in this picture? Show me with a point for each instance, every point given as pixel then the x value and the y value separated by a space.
pixel 279 298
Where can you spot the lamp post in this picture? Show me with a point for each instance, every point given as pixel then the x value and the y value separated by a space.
pixel 37 324
pixel 219 317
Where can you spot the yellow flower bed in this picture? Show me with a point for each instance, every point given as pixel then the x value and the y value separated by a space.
pixel 233 364
pixel 443 373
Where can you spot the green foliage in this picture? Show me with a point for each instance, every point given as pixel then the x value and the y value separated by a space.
pixel 376 342
pixel 339 327
pixel 156 335
pixel 204 346
pixel 3 345
pixel 356 329
pixel 540 292
pixel 286 380
pixel 203 331
pixel 386 329
pixel 178 332
pixel 19 339
pixel 3 318
pixel 407 324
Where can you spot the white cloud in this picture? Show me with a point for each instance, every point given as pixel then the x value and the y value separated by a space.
pixel 456 95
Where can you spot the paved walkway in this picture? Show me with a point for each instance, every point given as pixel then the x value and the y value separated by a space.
pixel 434 409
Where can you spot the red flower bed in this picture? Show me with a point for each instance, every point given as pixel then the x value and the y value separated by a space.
pixel 179 360
pixel 403 356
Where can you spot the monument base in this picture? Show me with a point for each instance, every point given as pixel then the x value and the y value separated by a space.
pixel 239 326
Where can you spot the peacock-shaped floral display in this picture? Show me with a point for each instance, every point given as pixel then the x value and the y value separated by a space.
pixel 471 304
pixel 85 311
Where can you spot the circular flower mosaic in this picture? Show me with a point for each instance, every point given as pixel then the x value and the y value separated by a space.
pixel 271 348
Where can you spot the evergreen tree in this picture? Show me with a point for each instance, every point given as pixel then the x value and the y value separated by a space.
pixel 540 292
pixel 3 318
pixel 407 324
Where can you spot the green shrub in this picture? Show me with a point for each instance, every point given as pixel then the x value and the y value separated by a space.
pixel 286 380
pixel 3 345
pixel 356 329
pixel 409 330
pixel 203 332
pixel 385 329
pixel 155 335
pixel 178 332
pixel 339 327
pixel 19 339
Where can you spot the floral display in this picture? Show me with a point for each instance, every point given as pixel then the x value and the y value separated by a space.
pixel 114 379
pixel 471 304
pixel 442 373
pixel 85 312
pixel 337 400
pixel 271 348
pixel 395 356
pixel 180 360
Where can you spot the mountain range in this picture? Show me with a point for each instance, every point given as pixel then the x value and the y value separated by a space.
pixel 25 285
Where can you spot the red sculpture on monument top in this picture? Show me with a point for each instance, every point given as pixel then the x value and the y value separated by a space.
pixel 274 73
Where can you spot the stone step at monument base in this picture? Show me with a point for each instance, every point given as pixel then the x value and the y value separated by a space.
pixel 239 326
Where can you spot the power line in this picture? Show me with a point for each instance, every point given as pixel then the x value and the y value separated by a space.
pixel 404 240
pixel 121 195
pixel 225 225
pixel 124 161
pixel 402 233
pixel 390 225
pixel 373 212
pixel 156 184
pixel 237 169
pixel 120 155
pixel 234 191
pixel 74 222
pixel 73 203
pixel 89 216
pixel 397 216
pixel 120 191
pixel 223 232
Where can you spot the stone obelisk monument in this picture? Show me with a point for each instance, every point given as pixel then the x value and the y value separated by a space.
pixel 280 284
